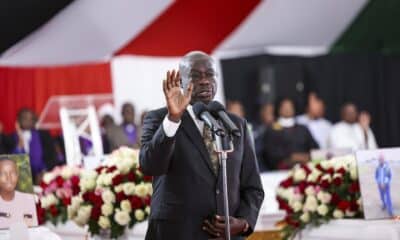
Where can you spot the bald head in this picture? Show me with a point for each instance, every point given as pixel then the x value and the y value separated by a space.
pixel 199 68
pixel 8 175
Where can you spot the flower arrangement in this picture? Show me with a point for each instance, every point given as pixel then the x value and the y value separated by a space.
pixel 315 193
pixel 58 187
pixel 113 197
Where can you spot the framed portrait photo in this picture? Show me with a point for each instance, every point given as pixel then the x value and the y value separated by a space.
pixel 379 176
pixel 17 200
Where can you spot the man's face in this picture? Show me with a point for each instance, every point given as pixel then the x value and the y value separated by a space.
pixel 27 121
pixel 202 75
pixel 287 109
pixel 350 113
pixel 128 113
pixel 8 175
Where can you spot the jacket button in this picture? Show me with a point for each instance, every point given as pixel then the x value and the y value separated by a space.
pixel 217 191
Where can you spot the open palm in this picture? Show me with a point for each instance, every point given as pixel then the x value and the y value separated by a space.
pixel 177 101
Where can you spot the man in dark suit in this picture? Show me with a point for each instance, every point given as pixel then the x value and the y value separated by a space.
pixel 187 201
pixel 37 143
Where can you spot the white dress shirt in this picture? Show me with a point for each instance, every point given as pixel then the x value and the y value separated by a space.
pixel 171 127
pixel 346 135
pixel 319 128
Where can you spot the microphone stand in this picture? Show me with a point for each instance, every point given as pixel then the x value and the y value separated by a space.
pixel 223 145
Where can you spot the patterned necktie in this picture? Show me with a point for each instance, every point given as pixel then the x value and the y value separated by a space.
pixel 208 141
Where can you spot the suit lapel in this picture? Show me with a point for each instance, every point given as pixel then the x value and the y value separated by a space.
pixel 194 135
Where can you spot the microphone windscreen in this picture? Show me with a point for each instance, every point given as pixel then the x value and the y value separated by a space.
pixel 199 108
pixel 215 106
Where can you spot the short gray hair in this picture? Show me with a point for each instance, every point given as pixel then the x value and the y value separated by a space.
pixel 186 64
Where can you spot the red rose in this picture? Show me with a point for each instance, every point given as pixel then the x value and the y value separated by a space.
pixel 130 176
pixel 147 200
pixel 287 183
pixel 40 213
pixel 75 180
pixel 88 196
pixel 136 202
pixel 306 168
pixel 99 169
pixel 330 170
pixel 120 196
pixel 147 178
pixel 53 210
pixel 292 222
pixel 343 205
pixel 354 206
pixel 59 181
pixel 95 214
pixel 341 171
pixel 117 179
pixel 337 181
pixel 354 187
pixel 97 201
pixel 66 201
pixel 111 169
pixel 319 167
pixel 302 186
pixel 43 185
pixel 75 190
pixel 335 198
pixel 325 183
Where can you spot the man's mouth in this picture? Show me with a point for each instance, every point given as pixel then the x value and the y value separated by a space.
pixel 204 93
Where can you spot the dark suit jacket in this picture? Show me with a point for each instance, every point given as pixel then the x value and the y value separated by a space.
pixel 186 191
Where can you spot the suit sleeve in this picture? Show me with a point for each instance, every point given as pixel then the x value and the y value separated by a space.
pixel 251 190
pixel 157 147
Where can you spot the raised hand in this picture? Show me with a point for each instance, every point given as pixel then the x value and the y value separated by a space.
pixel 177 101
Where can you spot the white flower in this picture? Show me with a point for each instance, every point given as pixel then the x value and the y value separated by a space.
pixel 299 174
pixel 48 200
pixel 338 213
pixel 126 206
pixel 74 206
pixel 324 197
pixel 305 217
pixel 147 210
pixel 104 222
pixel 118 188
pixel 310 190
pixel 311 203
pixel 297 197
pixel 296 206
pixel 322 209
pixel 349 213
pixel 141 190
pixel 66 172
pixel 327 177
pixel 359 202
pixel 313 176
pixel 83 215
pixel 139 173
pixel 107 209
pixel 128 188
pixel 48 177
pixel 122 217
pixel 139 214
pixel 108 196
pixel 353 173
pixel 149 188
pixel 326 164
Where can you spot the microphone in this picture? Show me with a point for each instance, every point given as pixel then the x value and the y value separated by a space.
pixel 201 111
pixel 218 110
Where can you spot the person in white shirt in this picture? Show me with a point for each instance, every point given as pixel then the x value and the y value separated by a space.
pixel 314 120
pixel 353 131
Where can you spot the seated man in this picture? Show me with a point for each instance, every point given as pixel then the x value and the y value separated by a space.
pixel 15 206
pixel 353 131
pixel 286 142
pixel 314 120
pixel 37 143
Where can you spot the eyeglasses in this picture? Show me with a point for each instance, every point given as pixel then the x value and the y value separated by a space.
pixel 197 75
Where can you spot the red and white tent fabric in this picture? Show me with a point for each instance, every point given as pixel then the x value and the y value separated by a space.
pixel 143 40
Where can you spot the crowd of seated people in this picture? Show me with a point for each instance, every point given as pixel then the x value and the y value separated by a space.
pixel 283 138
pixel 47 151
